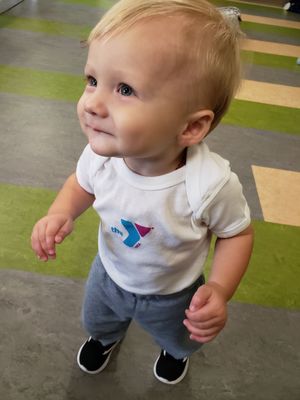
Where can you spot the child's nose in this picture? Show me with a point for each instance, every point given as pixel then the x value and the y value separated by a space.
pixel 95 104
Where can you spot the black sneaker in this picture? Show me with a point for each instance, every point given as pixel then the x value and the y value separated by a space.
pixel 168 369
pixel 93 357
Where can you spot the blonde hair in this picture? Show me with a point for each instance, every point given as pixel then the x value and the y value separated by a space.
pixel 211 42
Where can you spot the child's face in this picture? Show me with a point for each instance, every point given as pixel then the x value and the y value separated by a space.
pixel 134 101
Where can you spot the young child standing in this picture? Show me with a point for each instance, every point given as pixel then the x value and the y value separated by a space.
pixel 160 75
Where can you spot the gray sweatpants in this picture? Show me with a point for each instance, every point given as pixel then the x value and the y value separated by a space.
pixel 108 310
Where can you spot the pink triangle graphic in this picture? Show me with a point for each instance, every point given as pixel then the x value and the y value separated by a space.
pixel 143 230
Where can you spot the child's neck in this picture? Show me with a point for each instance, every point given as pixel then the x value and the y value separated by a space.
pixel 153 167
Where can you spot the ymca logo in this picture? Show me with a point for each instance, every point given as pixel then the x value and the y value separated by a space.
pixel 135 232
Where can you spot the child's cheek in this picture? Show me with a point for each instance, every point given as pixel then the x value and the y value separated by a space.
pixel 129 130
pixel 128 121
pixel 80 108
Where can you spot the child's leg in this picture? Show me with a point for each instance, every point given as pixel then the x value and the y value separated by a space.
pixel 104 314
pixel 162 316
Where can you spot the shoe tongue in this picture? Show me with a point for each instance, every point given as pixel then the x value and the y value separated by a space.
pixel 166 354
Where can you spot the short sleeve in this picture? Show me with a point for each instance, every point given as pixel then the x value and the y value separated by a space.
pixel 88 165
pixel 228 213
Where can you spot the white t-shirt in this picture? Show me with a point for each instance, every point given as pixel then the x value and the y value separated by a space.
pixel 155 232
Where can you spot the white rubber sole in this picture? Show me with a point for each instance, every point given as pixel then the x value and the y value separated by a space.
pixel 171 382
pixel 102 366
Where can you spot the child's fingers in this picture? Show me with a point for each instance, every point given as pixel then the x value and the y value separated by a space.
pixel 204 334
pixel 200 323
pixel 43 238
pixel 204 314
pixel 56 231
pixel 41 235
pixel 64 231
pixel 43 241
pixel 47 233
pixel 37 246
pixel 202 339
pixel 201 297
pixel 53 228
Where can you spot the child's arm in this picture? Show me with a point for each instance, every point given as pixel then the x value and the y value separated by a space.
pixel 70 202
pixel 207 313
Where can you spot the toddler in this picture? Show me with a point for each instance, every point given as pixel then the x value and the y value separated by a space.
pixel 160 74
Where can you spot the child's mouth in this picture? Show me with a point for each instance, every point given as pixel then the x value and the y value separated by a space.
pixel 97 130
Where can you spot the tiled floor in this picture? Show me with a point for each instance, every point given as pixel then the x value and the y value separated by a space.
pixel 258 354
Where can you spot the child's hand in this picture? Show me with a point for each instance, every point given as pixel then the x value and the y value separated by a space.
pixel 48 232
pixel 207 313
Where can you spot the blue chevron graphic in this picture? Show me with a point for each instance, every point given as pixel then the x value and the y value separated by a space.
pixel 133 235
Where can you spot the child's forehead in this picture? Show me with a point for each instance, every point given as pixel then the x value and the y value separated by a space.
pixel 157 42
pixel 153 34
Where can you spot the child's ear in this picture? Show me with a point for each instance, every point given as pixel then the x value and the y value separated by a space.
pixel 198 126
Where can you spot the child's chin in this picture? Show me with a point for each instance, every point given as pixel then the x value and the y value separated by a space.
pixel 102 150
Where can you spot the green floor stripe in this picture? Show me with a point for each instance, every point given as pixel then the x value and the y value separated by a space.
pixel 80 32
pixel 20 207
pixel 92 3
pixel 263 116
pixel 48 85
pixel 61 86
pixel 248 27
pixel 270 60
pixel 273 277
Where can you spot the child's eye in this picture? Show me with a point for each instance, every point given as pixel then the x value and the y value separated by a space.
pixel 91 81
pixel 125 90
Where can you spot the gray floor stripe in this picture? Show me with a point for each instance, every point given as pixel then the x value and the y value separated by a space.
pixel 5 5
pixel 272 37
pixel 256 356
pixel 42 146
pixel 251 146
pixel 41 51
pixel 273 75
pixel 58 11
